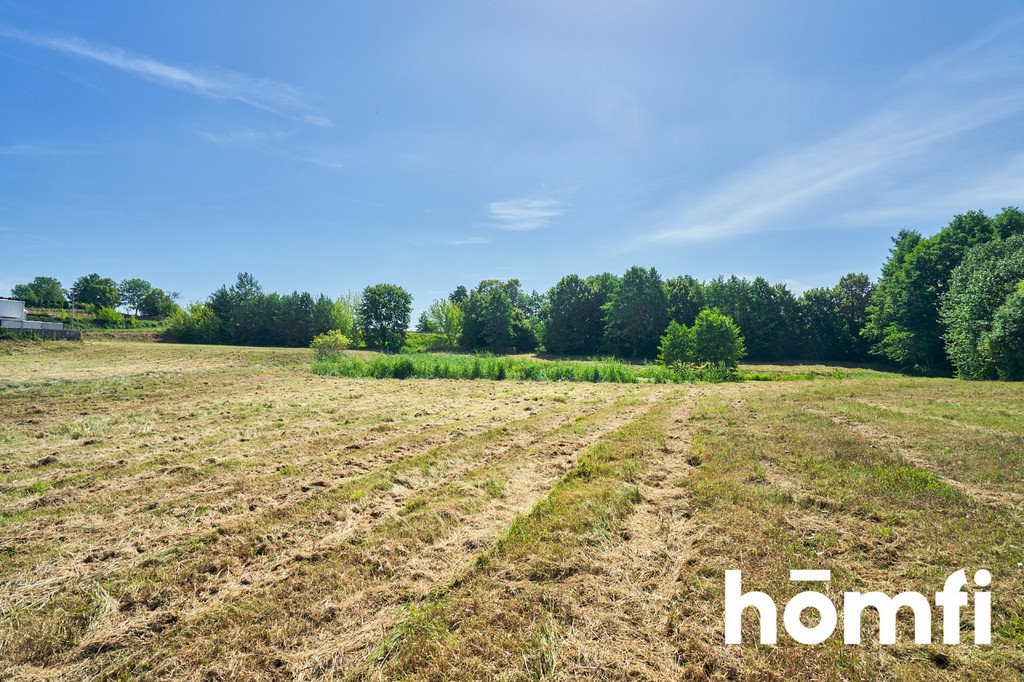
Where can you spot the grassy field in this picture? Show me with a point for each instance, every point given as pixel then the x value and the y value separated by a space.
pixel 202 512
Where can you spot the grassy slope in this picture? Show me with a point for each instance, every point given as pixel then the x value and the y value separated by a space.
pixel 173 511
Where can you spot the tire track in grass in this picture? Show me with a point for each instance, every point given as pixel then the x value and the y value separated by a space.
pixel 503 617
pixel 304 542
pixel 941 419
pixel 440 562
pixel 198 559
pixel 119 538
pixel 623 610
pixel 998 499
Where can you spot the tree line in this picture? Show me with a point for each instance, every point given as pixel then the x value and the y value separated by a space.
pixel 94 293
pixel 626 316
pixel 952 302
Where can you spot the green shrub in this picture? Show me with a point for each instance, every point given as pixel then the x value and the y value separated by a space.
pixel 198 324
pixel 109 318
pixel 677 345
pixel 330 344
pixel 716 339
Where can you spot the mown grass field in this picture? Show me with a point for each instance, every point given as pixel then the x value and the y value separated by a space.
pixel 190 512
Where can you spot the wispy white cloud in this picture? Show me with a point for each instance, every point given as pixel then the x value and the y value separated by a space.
pixel 278 142
pixel 468 241
pixel 525 213
pixel 216 83
pixel 937 103
pixel 24 150
pixel 1000 185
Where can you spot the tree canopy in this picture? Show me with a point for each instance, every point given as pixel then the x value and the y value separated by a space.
pixel 41 292
pixel 904 322
pixel 384 313
pixel 981 285
pixel 132 292
pixel 637 313
pixel 95 291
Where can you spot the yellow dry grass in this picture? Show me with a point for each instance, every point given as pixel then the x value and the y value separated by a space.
pixel 183 512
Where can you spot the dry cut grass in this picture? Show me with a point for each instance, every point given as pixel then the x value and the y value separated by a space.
pixel 175 512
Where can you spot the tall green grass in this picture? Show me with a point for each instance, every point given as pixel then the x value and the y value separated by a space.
pixel 450 366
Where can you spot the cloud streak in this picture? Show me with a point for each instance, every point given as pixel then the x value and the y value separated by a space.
pixel 267 95
pixel 468 241
pixel 525 213
pixel 943 99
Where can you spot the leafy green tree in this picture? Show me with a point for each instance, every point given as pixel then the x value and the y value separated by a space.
pixel 685 298
pixel 496 317
pixel 344 316
pixel 1006 342
pixel 637 313
pixel 717 339
pixel 1009 222
pixel 573 320
pixel 603 286
pixel 677 345
pixel 767 314
pixel 243 311
pixel 96 292
pixel 198 324
pixel 157 303
pixel 425 325
pixel 41 292
pixel 852 297
pixel 823 326
pixel 531 303
pixel 904 322
pixel 132 292
pixel 988 275
pixel 384 313
pixel 458 296
pixel 832 319
pixel 445 318
pixel 491 320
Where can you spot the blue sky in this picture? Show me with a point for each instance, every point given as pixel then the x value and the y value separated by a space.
pixel 326 146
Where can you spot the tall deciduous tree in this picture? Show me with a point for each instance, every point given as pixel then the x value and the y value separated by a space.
pixel 677 345
pixel 157 303
pixel 988 275
pixel 903 321
pixel 41 292
pixel 685 299
pixel 637 313
pixel 573 320
pixel 445 318
pixel 491 319
pixel 132 292
pixel 344 317
pixel 1006 340
pixel 98 292
pixel 384 314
